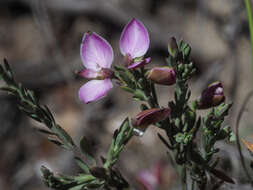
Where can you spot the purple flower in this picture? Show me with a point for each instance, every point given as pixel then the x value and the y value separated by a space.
pixel 134 43
pixel 97 57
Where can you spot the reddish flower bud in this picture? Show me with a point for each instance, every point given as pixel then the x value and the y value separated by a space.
pixel 172 46
pixel 162 75
pixel 147 117
pixel 212 96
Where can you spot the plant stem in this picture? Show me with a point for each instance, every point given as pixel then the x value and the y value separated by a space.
pixel 241 111
pixel 193 185
pixel 250 20
pixel 154 94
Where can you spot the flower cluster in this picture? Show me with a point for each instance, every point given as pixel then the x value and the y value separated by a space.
pixel 97 57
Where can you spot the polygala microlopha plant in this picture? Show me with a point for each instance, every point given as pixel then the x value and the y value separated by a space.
pixel 194 159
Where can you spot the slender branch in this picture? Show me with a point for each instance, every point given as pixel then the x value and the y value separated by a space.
pixel 241 111
pixel 250 20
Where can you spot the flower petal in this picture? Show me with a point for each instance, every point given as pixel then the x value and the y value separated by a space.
pixel 139 64
pixel 134 39
pixel 94 90
pixel 96 52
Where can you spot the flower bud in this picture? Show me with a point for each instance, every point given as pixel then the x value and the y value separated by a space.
pixel 147 117
pixel 172 46
pixel 212 96
pixel 162 75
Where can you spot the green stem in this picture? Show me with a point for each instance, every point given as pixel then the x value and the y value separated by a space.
pixel 183 178
pixel 193 185
pixel 250 19
pixel 154 94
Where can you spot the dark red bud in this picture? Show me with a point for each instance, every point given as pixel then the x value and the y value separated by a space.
pixel 162 75
pixel 212 96
pixel 147 117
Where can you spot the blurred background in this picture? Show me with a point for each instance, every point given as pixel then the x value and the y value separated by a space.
pixel 41 39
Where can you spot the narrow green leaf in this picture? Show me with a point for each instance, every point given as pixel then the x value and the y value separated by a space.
pixel 82 165
pixel 55 141
pixel 63 135
pixel 86 149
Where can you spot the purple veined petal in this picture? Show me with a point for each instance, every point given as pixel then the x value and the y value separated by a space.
pixel 139 64
pixel 96 52
pixel 134 39
pixel 88 73
pixel 94 90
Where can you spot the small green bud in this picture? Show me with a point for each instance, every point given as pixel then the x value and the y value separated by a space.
pixel 180 67
pixel 172 46
pixel 187 51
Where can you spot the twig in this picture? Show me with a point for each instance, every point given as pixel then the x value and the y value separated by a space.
pixel 241 111
pixel 250 19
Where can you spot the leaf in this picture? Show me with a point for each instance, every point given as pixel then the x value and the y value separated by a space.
pixel 78 187
pixel 9 90
pixel 63 135
pixel 86 149
pixel 82 165
pixel 164 141
pixel 45 131
pixel 123 136
pixel 84 178
pixel 49 114
pixel 127 89
pixel 120 138
pixel 55 141
pixel 139 94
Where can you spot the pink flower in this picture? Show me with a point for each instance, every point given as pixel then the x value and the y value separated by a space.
pixel 134 43
pixel 97 57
